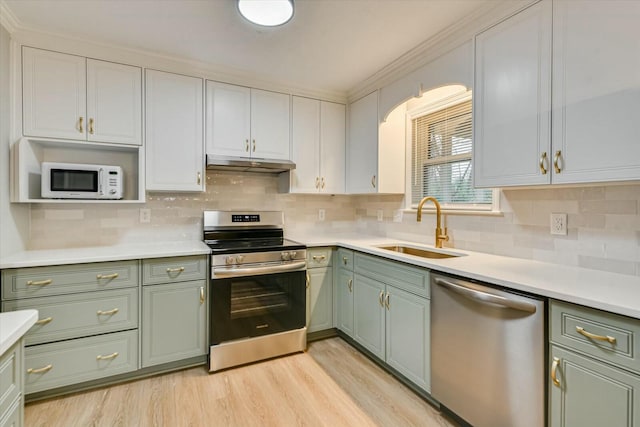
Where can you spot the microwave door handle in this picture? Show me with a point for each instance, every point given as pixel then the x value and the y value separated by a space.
pixel 100 177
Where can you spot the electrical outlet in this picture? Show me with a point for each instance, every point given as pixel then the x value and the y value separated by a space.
pixel 559 224
pixel 380 215
pixel 397 216
pixel 321 214
pixel 145 215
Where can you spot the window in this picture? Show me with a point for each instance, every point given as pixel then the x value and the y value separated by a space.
pixel 441 147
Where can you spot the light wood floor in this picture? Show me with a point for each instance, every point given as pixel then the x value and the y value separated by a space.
pixel 330 385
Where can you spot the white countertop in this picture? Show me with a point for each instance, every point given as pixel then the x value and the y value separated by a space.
pixel 104 253
pixel 13 326
pixel 612 292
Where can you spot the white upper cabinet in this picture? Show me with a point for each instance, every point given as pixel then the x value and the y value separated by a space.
pixel 244 122
pixel 114 102
pixel 175 132
pixel 71 97
pixel 596 90
pixel 318 148
pixel 362 147
pixel 512 100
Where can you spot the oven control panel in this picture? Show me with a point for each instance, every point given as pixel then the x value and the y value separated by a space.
pixel 245 218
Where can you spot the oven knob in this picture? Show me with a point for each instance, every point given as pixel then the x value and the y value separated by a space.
pixel 293 254
pixel 240 258
pixel 230 260
pixel 285 256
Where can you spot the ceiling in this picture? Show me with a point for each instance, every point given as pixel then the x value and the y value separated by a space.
pixel 329 45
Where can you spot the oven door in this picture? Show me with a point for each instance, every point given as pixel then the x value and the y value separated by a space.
pixel 256 305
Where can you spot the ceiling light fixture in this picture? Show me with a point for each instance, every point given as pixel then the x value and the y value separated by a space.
pixel 268 13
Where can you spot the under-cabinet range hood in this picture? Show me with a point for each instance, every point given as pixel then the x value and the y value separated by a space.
pixel 248 165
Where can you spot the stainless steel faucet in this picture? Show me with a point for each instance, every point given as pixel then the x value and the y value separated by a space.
pixel 440 236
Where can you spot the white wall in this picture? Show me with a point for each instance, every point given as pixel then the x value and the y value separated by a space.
pixel 14 219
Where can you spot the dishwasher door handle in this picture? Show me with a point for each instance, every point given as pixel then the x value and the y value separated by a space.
pixel 486 297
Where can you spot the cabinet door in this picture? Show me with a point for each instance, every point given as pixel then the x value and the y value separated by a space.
pixel 344 300
pixel 368 314
pixel 174 146
pixel 332 147
pixel 320 299
pixel 14 417
pixel 596 90
pixel 173 322
pixel 407 336
pixel 228 119
pixel 54 94
pixel 114 102
pixel 512 101
pixel 270 120
pixel 305 149
pixel 362 146
pixel 591 393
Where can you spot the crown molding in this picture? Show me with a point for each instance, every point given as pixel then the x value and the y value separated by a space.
pixel 7 18
pixel 441 43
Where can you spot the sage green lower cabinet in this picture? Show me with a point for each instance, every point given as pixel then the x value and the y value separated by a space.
pixel 320 299
pixel 368 314
pixel 173 322
pixel 591 393
pixel 344 300
pixel 14 417
pixel 11 379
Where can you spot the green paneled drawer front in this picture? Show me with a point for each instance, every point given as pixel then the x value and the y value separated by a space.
pixel 606 336
pixel 67 279
pixel 79 315
pixel 74 361
pixel 14 416
pixel 175 269
pixel 411 279
pixel 344 257
pixel 10 380
pixel 318 257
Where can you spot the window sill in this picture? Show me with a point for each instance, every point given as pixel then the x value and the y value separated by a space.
pixel 464 212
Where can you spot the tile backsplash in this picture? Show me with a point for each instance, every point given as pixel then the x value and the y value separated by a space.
pixel 603 221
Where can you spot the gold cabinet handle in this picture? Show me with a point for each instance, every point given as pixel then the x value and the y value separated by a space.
pixel 543 161
pixel 322 183
pixel 175 270
pixel 308 280
pixel 108 356
pixel 107 312
pixel 107 276
pixel 246 145
pixel 39 282
pixel 608 338
pixel 201 294
pixel 254 145
pixel 381 298
pixel 373 181
pixel 319 258
pixel 199 178
pixel 80 127
pixel 556 161
pixel 91 125
pixel 317 182
pixel 554 373
pixel 386 300
pixel 350 285
pixel 44 321
pixel 39 370
pixel 344 260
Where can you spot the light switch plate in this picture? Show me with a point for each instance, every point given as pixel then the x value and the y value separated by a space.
pixel 559 224
pixel 145 215
pixel 321 214
pixel 380 215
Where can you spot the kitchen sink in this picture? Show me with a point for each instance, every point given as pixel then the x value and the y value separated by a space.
pixel 423 253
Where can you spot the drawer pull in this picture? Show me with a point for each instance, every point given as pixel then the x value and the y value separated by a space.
pixel 107 276
pixel 318 258
pixel 108 312
pixel 175 270
pixel 609 339
pixel 554 373
pixel 108 356
pixel 350 285
pixel 39 370
pixel 44 321
pixel 39 282
pixel 201 295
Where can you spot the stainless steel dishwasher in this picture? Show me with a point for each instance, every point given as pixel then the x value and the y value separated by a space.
pixel 487 353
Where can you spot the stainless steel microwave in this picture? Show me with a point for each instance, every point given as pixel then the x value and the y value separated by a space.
pixel 81 181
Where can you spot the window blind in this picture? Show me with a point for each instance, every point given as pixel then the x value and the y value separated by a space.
pixel 441 154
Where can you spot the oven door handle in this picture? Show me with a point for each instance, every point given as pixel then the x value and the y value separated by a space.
pixel 239 272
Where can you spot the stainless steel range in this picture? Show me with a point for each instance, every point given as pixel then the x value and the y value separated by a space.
pixel 258 288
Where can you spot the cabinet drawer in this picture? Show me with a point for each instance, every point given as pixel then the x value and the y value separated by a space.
pixel 318 257
pixel 68 279
pixel 175 269
pixel 571 326
pixel 14 417
pixel 408 278
pixel 10 376
pixel 74 361
pixel 344 257
pixel 74 316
